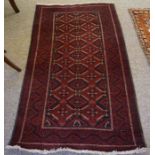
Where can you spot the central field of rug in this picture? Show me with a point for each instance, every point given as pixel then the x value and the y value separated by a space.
pixel 78 91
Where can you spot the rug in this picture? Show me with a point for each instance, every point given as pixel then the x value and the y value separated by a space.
pixel 77 91
pixel 141 19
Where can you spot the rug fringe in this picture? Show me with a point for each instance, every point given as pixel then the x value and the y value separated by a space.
pixel 135 151
pixel 69 4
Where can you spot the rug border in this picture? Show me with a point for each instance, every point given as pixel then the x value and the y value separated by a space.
pixel 28 71
pixel 133 105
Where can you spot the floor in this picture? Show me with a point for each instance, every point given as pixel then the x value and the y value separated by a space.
pixel 17 40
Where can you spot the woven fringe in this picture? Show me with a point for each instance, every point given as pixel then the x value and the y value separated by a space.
pixel 68 151
pixel 71 4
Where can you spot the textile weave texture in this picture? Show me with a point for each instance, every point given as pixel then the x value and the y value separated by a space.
pixel 78 91
pixel 141 19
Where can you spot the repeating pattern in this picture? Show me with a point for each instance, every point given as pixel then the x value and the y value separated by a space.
pixel 77 94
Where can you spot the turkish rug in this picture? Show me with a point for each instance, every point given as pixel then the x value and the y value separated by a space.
pixel 141 19
pixel 78 91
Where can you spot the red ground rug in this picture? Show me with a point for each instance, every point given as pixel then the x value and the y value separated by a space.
pixel 78 91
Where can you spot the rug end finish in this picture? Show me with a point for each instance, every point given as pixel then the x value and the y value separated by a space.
pixel 18 149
